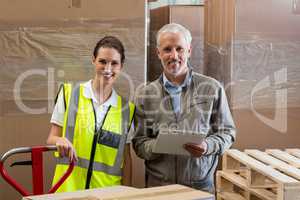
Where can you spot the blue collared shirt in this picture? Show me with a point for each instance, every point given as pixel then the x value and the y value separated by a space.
pixel 175 91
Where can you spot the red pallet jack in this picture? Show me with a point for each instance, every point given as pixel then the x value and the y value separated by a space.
pixel 37 169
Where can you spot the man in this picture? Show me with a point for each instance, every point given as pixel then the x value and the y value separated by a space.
pixel 186 101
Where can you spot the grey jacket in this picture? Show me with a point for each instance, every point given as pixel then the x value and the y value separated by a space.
pixel 204 109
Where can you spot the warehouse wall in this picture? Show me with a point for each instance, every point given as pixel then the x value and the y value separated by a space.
pixel 265 86
pixel 260 74
pixel 44 43
pixel 253 47
pixel 68 10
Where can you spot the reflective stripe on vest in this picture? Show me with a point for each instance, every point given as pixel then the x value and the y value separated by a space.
pixel 115 170
pixel 84 163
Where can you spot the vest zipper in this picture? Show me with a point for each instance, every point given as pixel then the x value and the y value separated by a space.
pixel 94 145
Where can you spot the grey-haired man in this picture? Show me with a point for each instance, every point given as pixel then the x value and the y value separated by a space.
pixel 182 100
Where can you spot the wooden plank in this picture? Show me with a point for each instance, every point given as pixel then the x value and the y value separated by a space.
pixel 223 185
pixel 230 196
pixel 232 183
pixel 263 194
pixel 294 152
pixel 171 192
pixel 291 193
pixel 244 158
pixel 192 195
pixel 242 183
pixel 258 180
pixel 292 160
pixel 260 167
pixel 235 179
pixel 277 164
pixel 229 163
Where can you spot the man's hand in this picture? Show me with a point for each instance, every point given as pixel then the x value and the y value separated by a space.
pixel 196 150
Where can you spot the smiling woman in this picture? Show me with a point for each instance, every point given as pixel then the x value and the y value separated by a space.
pixel 90 124
pixel 108 59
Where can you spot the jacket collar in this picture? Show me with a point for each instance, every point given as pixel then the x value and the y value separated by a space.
pixel 187 82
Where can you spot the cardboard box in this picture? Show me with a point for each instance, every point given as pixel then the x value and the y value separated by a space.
pixel 170 192
pixel 82 194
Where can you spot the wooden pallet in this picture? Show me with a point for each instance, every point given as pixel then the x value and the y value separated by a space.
pixel 257 175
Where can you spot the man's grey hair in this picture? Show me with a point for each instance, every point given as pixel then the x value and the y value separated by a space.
pixel 174 28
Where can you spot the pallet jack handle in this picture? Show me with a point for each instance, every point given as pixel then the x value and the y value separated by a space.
pixel 37 169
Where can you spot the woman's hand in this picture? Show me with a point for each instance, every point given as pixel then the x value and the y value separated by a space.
pixel 65 148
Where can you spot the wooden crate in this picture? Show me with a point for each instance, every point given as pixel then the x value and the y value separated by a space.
pixel 258 175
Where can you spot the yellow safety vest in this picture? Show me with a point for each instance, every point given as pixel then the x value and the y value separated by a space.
pixel 109 141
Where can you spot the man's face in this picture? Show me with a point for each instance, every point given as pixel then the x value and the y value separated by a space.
pixel 173 51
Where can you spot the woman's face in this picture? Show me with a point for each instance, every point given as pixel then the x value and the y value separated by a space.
pixel 107 65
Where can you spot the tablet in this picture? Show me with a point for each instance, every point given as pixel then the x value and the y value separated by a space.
pixel 172 141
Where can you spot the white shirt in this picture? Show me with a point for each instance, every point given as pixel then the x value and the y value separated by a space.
pixel 100 109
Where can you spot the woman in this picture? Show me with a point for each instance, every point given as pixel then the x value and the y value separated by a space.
pixel 90 124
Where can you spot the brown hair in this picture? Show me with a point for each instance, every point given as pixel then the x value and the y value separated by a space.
pixel 110 42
